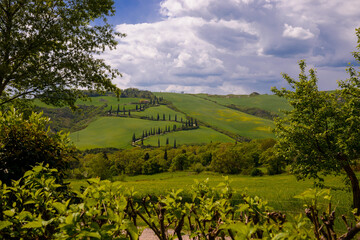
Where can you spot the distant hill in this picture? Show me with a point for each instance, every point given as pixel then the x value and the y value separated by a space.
pixel 157 118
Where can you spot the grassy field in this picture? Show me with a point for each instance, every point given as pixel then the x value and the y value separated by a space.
pixel 114 132
pixel 271 103
pixel 161 110
pixel 278 190
pixel 221 117
pixel 197 136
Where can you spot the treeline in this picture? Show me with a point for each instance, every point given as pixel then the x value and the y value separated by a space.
pixel 228 158
pixel 136 93
pixel 125 93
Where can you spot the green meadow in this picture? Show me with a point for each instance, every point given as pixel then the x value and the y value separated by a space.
pixel 221 117
pixel 160 110
pixel 114 132
pixel 196 136
pixel 271 103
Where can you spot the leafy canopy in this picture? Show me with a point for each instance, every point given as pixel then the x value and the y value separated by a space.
pixel 321 134
pixel 47 49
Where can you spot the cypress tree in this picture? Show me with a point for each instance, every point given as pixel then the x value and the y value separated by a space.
pixel 158 142
pixel 165 155
pixel 175 117
pixel 129 112
pixel 169 117
pixel 167 141
pixel 174 127
pixel 118 110
pixel 137 107
pixel 158 117
pixel 174 143
pixel 110 110
pixel 133 138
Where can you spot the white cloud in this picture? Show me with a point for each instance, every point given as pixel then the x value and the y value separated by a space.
pixel 235 46
pixel 297 32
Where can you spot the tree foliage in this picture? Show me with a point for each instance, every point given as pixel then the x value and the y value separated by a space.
pixel 321 134
pixel 47 49
pixel 23 143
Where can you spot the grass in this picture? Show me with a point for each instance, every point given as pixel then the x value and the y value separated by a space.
pixel 196 136
pixel 162 109
pixel 114 132
pixel 271 103
pixel 221 117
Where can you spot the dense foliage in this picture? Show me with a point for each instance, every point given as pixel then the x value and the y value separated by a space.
pixel 47 49
pixel 228 158
pixel 23 143
pixel 38 206
pixel 321 135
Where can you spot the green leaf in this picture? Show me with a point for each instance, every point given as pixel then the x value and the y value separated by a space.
pixel 9 213
pixel 33 224
pixel 5 224
pixel 89 234
pixel 23 215
pixel 131 229
pixel 59 207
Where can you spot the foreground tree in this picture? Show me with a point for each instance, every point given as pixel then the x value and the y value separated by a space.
pixel 47 49
pixel 24 143
pixel 321 134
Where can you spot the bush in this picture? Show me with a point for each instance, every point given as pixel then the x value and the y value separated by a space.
pixel 197 167
pixel 256 172
pixel 25 142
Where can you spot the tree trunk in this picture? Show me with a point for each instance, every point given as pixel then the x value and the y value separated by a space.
pixel 354 186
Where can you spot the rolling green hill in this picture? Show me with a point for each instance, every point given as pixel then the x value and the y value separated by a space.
pixel 161 110
pixel 271 103
pixel 114 132
pixel 197 136
pixel 223 119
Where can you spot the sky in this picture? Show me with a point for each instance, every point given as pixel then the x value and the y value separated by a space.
pixel 231 46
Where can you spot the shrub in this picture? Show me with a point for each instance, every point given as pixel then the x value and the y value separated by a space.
pixel 25 142
pixel 256 172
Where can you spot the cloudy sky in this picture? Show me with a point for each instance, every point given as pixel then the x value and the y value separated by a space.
pixel 231 46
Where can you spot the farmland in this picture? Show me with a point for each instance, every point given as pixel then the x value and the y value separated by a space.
pixel 122 117
pixel 221 118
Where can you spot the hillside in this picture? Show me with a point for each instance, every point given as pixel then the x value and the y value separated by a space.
pixel 234 123
pixel 105 121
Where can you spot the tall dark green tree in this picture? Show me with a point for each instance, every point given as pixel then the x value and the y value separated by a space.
pixel 165 155
pixel 133 138
pixel 48 48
